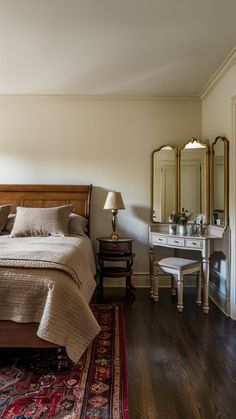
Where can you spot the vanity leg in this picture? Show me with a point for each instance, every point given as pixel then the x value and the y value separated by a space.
pixel 155 287
pixel 180 292
pixel 151 286
pixel 155 279
pixel 199 289
pixel 151 262
pixel 205 268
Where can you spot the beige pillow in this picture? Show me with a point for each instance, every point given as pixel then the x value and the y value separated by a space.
pixel 77 224
pixel 41 221
pixel 4 212
pixel 10 222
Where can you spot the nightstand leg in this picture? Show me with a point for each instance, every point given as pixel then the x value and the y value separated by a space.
pixel 129 287
pixel 100 287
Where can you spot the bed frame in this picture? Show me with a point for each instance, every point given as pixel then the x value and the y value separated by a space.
pixel 23 335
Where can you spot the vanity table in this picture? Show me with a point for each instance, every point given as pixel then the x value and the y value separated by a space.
pixel 159 236
pixel 195 176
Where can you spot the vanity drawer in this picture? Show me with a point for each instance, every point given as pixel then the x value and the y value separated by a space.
pixel 157 239
pixel 197 244
pixel 175 241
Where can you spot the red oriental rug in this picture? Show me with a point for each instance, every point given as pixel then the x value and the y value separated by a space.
pixel 31 387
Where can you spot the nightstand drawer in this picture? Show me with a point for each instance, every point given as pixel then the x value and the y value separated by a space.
pixel 113 246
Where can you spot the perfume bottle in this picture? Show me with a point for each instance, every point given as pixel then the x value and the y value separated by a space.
pixel 201 230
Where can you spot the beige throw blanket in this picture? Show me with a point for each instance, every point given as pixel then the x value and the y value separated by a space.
pixel 50 280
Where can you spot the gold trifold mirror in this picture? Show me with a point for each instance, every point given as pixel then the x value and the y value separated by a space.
pixel 220 182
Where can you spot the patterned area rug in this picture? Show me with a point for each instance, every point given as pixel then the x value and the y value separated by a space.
pixel 31 387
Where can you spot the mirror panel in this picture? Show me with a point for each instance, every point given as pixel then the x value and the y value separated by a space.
pixel 194 178
pixel 164 183
pixel 220 183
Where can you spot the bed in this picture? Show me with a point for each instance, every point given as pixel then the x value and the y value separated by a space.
pixel 55 310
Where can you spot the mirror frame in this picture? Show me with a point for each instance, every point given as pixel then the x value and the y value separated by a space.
pixel 226 180
pixel 175 149
pixel 203 146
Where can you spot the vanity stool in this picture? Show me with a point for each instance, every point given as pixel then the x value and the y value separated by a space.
pixel 176 267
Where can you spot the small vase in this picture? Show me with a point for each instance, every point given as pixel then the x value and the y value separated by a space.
pixel 172 228
pixel 182 230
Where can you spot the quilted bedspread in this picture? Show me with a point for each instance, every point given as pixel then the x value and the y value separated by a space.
pixel 50 280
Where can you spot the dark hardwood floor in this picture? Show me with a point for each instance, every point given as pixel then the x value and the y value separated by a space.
pixel 180 365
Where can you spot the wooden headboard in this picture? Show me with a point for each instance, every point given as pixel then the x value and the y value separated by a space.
pixel 43 196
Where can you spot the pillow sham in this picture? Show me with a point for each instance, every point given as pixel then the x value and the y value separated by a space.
pixel 41 221
pixel 4 212
pixel 10 222
pixel 77 224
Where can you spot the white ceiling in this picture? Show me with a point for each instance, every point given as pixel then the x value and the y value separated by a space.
pixel 113 47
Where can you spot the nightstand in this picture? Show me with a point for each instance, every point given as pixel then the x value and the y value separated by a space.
pixel 111 251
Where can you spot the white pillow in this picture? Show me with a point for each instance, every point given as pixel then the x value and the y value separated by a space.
pixel 41 221
pixel 77 224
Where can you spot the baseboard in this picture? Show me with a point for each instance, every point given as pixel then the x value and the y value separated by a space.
pixel 219 299
pixel 142 280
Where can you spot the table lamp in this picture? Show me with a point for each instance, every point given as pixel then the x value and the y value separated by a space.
pixel 114 202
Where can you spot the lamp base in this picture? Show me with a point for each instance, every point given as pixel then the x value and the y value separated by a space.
pixel 114 236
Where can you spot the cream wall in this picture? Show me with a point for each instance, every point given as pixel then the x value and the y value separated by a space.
pixel 219 118
pixel 106 142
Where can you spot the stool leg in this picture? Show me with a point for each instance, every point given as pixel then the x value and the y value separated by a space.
pixel 180 292
pixel 199 288
pixel 173 291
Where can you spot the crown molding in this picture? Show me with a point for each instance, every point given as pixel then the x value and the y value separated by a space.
pixel 228 62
